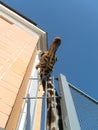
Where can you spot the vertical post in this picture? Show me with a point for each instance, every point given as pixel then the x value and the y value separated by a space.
pixel 28 117
pixel 55 104
pixel 43 113
pixel 70 119
pixel 37 124
pixel 45 128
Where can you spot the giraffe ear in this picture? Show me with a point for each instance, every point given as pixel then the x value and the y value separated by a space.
pixel 56 58
pixel 37 66
pixel 42 54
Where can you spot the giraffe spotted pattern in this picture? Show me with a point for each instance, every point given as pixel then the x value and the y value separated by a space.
pixel 54 115
pixel 46 64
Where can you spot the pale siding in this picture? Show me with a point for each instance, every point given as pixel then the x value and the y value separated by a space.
pixel 17 53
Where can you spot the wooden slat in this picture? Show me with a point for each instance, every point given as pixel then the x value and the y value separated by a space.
pixel 17 54
pixel 39 109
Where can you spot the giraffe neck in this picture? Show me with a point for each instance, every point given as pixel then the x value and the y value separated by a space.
pixel 54 121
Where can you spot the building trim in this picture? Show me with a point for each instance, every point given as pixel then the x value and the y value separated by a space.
pixel 69 115
pixel 18 13
pixel 82 93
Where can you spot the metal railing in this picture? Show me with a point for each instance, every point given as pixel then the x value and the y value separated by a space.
pixel 27 115
pixel 30 102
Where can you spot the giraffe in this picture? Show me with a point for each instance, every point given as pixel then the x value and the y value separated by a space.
pixel 46 64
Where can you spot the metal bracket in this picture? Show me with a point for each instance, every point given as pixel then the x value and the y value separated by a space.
pixel 41 97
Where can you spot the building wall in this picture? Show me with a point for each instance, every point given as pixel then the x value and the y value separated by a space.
pixel 80 111
pixel 18 49
pixel 87 110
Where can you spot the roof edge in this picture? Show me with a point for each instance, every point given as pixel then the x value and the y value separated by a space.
pixel 83 93
pixel 24 21
pixel 31 21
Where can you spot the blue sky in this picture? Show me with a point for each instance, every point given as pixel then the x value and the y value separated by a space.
pixel 76 22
